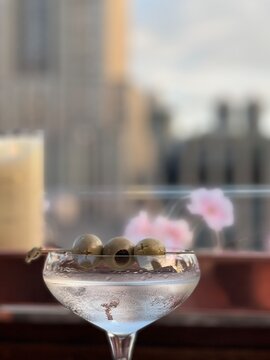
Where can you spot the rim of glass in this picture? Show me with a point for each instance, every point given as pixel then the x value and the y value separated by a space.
pixel 69 252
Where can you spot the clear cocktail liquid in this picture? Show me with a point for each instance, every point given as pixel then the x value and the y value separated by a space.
pixel 122 306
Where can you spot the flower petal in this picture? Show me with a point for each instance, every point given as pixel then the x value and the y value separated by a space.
pixel 213 206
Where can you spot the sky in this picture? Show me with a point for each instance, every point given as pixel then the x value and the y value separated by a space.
pixel 192 53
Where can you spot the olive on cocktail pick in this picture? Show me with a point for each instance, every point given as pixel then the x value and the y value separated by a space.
pixel 87 244
pixel 149 254
pixel 90 246
pixel 149 246
pixel 119 251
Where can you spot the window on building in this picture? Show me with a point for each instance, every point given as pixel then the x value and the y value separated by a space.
pixel 34 50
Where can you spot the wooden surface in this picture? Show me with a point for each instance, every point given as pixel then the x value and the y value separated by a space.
pixel 56 352
pixel 159 341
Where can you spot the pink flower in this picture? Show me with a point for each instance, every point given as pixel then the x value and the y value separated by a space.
pixel 215 208
pixel 175 234
pixel 139 227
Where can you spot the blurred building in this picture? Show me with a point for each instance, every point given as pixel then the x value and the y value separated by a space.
pixel 224 158
pixel 63 69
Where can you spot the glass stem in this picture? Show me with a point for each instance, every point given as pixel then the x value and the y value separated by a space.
pixel 122 346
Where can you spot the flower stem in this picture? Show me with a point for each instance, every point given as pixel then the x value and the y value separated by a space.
pixel 218 241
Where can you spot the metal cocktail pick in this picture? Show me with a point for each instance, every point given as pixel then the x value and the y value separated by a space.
pixel 37 252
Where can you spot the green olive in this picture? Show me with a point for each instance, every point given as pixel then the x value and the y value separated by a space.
pixel 149 247
pixel 87 244
pixel 88 261
pixel 119 251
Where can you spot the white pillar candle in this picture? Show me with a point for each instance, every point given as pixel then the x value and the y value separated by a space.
pixel 21 191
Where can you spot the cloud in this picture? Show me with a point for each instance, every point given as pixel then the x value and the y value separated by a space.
pixel 193 52
pixel 209 46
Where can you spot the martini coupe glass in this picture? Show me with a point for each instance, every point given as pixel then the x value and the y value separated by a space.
pixel 121 291
pixel 121 302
